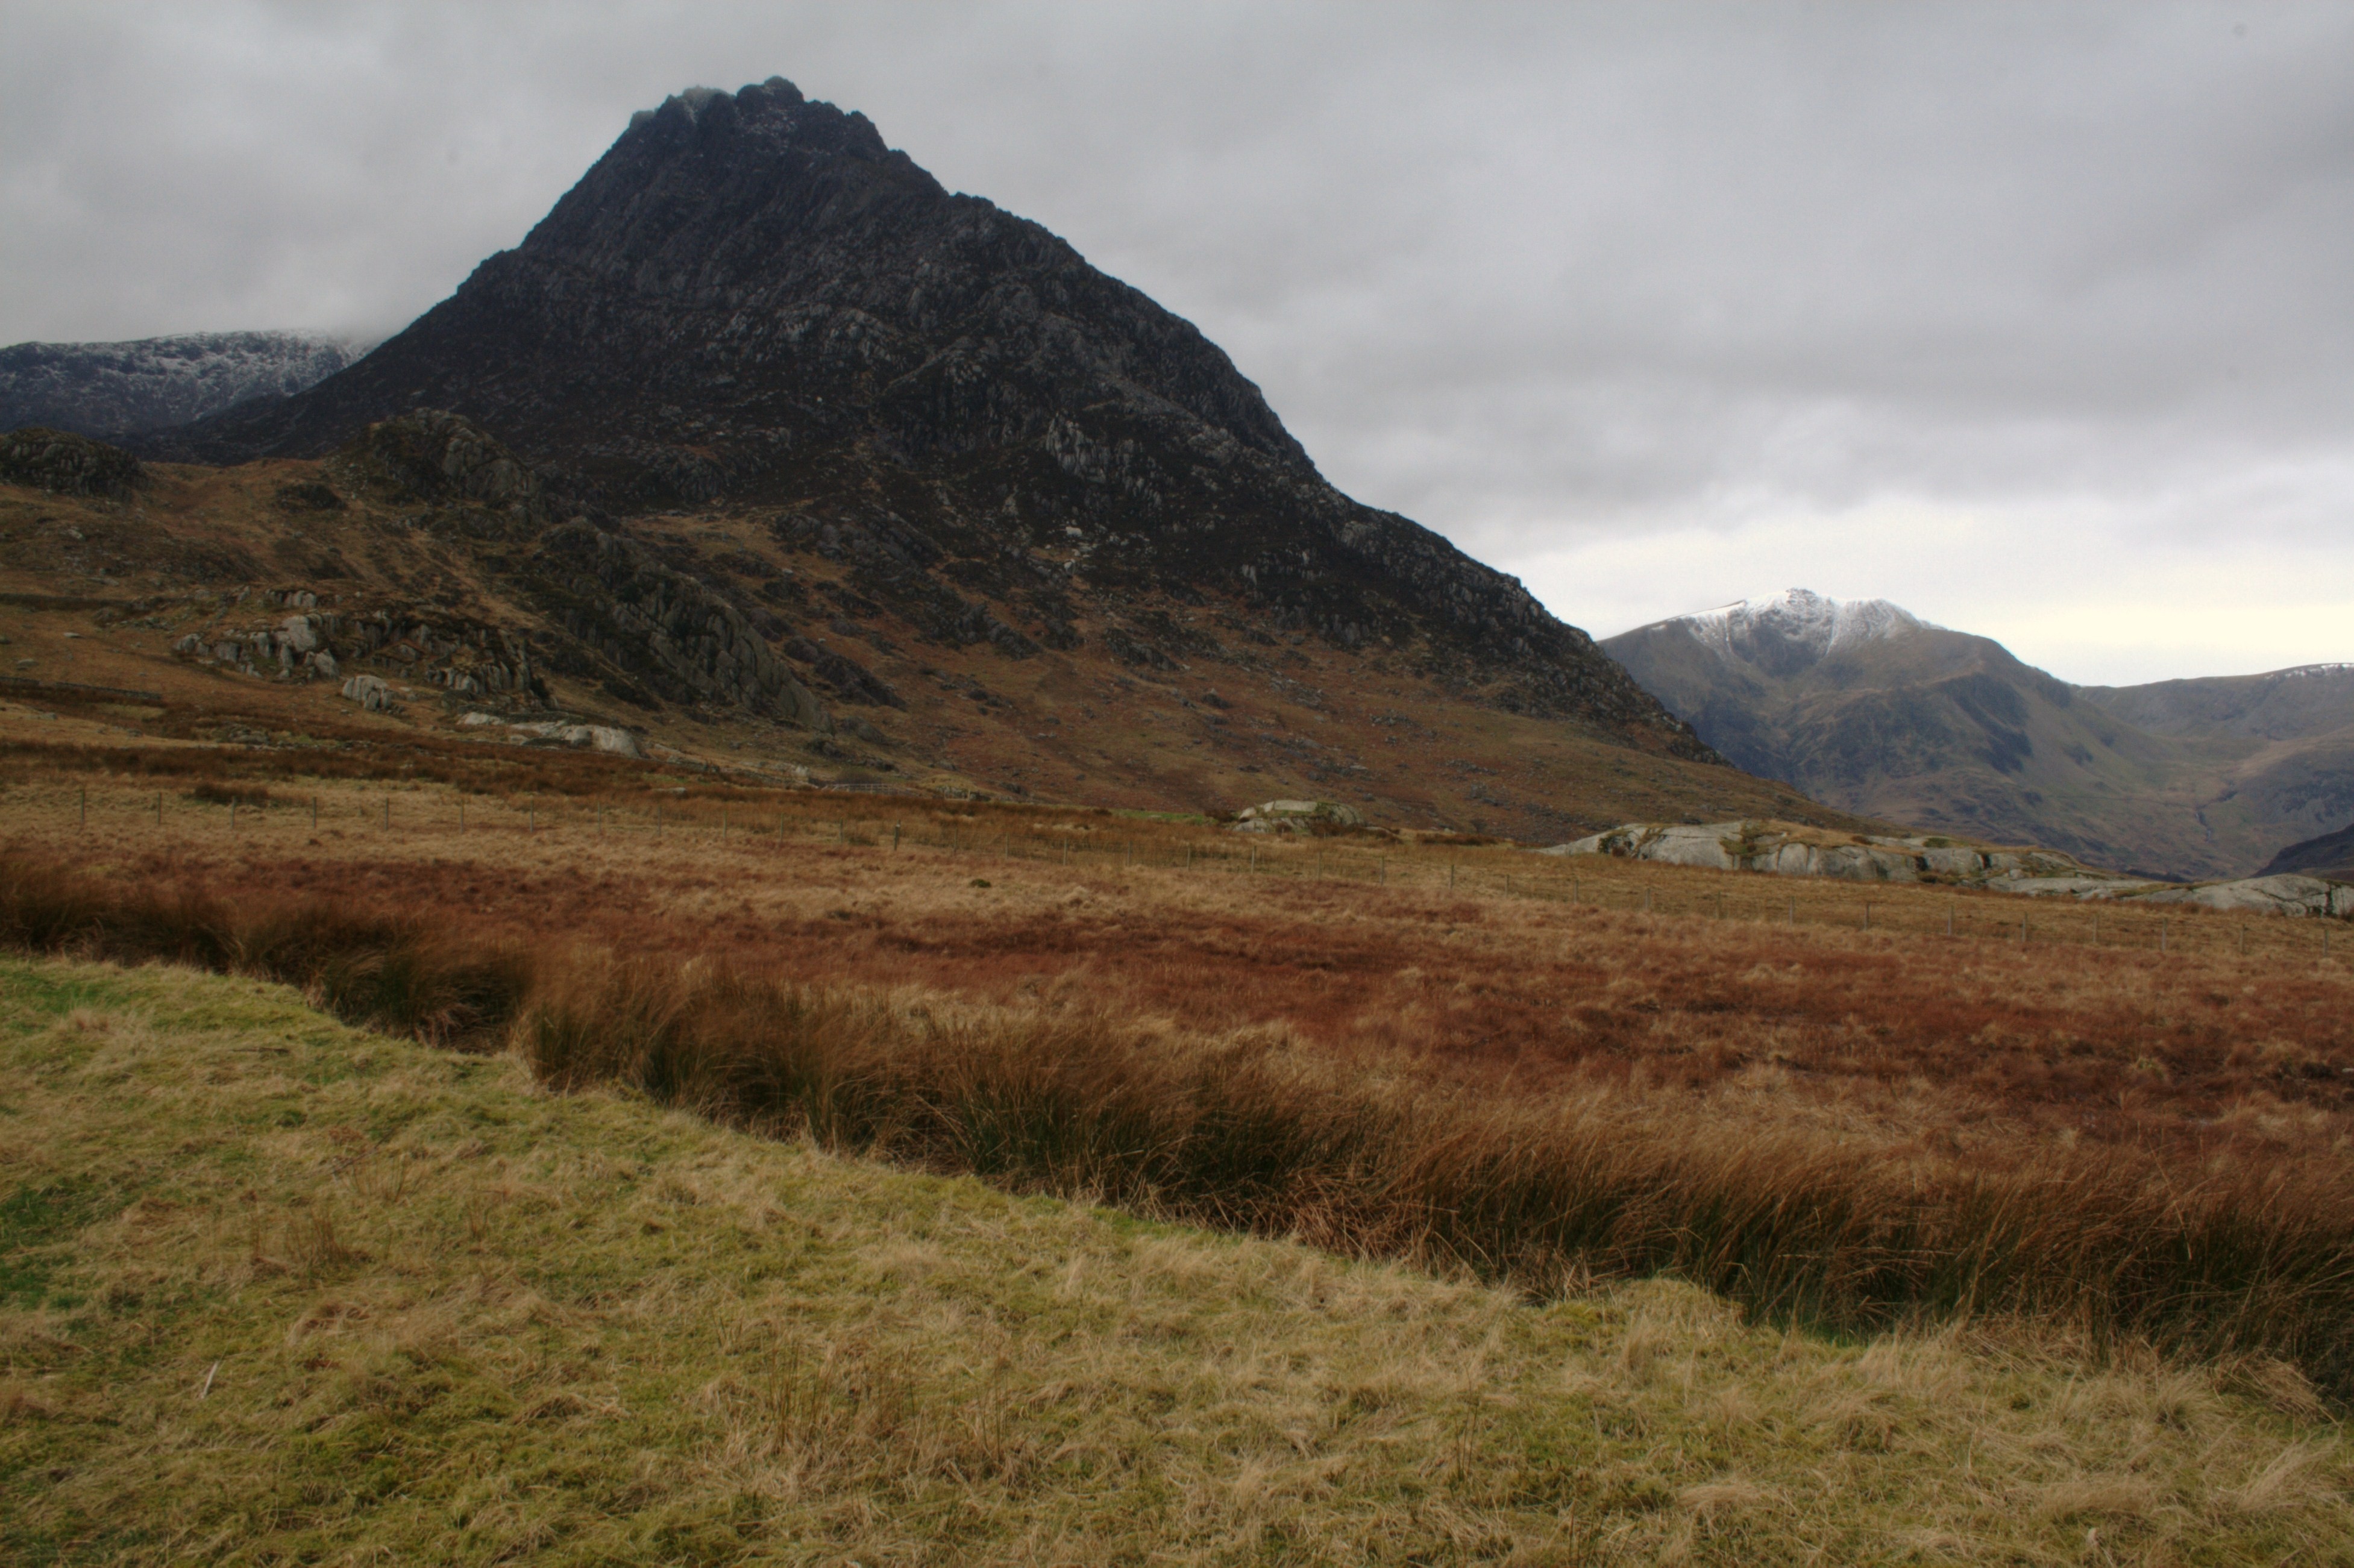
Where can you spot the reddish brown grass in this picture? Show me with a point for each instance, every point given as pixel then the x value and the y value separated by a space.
pixel 1442 1031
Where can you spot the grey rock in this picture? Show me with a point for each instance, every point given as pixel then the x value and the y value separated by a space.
pixel 1296 817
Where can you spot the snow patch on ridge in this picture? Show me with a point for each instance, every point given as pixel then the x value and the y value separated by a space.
pixel 1798 619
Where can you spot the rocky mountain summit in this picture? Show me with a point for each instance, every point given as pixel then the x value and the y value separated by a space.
pixel 1865 706
pixel 115 389
pixel 751 301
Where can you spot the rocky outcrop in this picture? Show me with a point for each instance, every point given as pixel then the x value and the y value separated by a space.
pixel 609 739
pixel 113 390
pixel 67 464
pixel 462 658
pixel 2282 894
pixel 751 296
pixel 435 457
pixel 1779 849
pixel 1297 817
pixel 661 632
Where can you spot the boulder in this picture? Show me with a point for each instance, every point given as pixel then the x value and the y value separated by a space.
pixel 370 692
pixel 1296 817
pixel 1779 850
pixel 557 732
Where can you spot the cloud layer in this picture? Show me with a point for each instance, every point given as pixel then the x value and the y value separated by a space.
pixel 2032 317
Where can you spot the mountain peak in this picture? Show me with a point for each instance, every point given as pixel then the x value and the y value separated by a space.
pixel 1796 623
pixel 750 302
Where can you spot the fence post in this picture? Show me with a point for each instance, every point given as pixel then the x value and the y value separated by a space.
pixel 2162 934
pixel 314 813
pixel 895 835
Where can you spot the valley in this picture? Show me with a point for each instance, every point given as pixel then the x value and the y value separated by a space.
pixel 1864 707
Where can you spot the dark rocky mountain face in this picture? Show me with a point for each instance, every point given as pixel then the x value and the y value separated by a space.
pixel 751 301
pixel 114 389
pixel 2331 855
pixel 1868 708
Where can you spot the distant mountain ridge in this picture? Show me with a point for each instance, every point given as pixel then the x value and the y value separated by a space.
pixel 114 389
pixel 1866 706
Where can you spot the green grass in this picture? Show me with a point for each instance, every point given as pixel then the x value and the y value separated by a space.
pixel 307 1294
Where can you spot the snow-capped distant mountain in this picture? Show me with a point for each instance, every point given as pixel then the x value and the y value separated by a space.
pixel 1866 706
pixel 1795 622
pixel 113 389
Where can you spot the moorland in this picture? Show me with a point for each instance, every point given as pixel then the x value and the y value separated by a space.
pixel 1510 1088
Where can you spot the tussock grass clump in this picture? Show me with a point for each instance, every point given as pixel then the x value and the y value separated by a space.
pixel 386 972
pixel 1794 1227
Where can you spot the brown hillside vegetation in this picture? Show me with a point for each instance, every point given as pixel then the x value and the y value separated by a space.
pixel 1424 1047
pixel 98 592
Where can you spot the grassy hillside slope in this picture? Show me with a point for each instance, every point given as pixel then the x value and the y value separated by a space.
pixel 272 1289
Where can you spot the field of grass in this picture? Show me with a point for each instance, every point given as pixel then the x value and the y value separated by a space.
pixel 276 1290
pixel 1909 1154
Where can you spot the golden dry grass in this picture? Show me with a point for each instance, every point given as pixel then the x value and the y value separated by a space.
pixel 279 1292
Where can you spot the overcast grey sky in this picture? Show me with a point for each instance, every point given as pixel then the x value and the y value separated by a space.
pixel 2037 318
